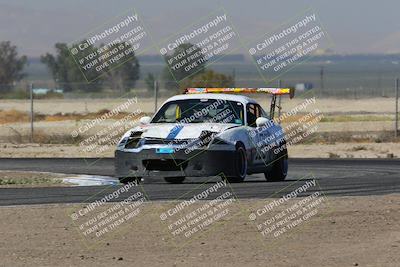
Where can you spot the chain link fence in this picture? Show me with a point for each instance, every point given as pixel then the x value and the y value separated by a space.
pixel 334 86
pixel 64 106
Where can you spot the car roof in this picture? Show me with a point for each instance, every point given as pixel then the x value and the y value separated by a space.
pixel 230 97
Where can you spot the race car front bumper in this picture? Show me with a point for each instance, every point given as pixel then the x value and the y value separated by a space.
pixel 198 163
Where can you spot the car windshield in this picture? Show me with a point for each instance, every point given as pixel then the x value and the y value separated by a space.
pixel 199 111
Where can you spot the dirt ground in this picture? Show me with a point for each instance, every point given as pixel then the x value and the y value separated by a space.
pixel 53 138
pixel 337 150
pixel 11 131
pixel 367 108
pixel 348 231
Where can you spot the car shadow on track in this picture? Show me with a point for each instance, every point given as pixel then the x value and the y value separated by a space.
pixel 197 181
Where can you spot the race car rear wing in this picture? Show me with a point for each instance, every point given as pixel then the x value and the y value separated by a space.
pixel 267 90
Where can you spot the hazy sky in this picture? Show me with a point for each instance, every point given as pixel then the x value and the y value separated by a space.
pixel 355 26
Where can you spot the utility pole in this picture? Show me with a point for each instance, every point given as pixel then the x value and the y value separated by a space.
pixel 155 95
pixel 396 124
pixel 31 115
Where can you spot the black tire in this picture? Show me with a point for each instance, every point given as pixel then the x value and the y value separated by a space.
pixel 279 168
pixel 125 180
pixel 174 180
pixel 240 165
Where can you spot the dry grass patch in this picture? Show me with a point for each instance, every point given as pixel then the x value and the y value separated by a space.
pixel 29 179
pixel 13 116
pixel 9 116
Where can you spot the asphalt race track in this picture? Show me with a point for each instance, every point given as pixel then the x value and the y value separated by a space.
pixel 339 177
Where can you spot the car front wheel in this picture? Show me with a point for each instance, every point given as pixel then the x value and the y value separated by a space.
pixel 240 165
pixel 279 168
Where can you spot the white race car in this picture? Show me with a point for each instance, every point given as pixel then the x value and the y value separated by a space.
pixel 206 132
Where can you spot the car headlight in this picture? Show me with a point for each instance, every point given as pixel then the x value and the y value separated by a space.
pixel 123 142
pixel 133 140
pixel 205 138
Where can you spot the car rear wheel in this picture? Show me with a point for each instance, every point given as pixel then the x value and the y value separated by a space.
pixel 174 180
pixel 240 165
pixel 279 168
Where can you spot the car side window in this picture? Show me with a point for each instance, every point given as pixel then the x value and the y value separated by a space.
pixel 172 113
pixel 253 111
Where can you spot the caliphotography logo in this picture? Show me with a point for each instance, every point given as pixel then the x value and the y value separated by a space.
pixel 199 212
pixel 108 213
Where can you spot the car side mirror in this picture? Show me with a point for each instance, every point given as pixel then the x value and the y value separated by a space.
pixel 145 120
pixel 261 121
